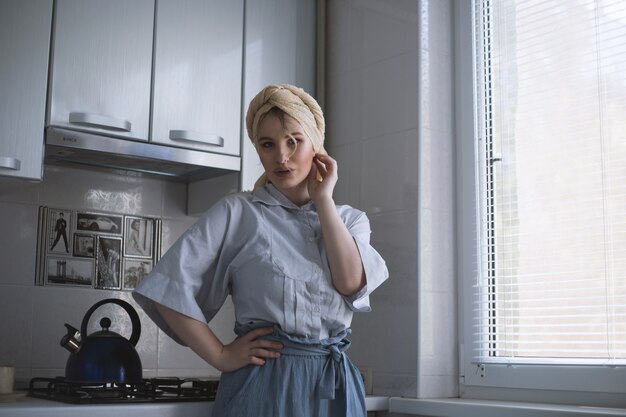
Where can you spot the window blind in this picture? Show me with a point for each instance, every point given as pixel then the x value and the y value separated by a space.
pixel 551 169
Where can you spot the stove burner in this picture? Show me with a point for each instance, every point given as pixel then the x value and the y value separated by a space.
pixel 148 390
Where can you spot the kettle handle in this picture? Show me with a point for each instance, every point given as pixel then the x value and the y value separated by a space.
pixel 134 318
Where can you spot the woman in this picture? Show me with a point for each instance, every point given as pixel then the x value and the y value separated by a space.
pixel 295 264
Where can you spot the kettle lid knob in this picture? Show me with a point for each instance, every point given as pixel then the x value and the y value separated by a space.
pixel 105 323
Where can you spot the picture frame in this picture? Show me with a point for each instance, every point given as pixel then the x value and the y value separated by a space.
pixel 138 236
pixel 97 223
pixel 108 262
pixel 59 228
pixel 84 245
pixel 135 270
pixel 69 271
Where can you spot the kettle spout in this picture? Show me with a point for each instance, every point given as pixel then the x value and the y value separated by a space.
pixel 72 340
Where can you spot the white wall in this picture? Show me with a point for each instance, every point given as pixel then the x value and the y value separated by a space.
pixel 389 83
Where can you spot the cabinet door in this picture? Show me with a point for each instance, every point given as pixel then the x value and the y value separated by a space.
pixel 197 74
pixel 102 66
pixel 24 48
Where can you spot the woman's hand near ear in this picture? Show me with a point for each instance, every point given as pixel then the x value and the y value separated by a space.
pixel 322 178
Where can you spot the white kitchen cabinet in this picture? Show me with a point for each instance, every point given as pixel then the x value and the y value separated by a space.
pixel 24 50
pixel 197 74
pixel 102 66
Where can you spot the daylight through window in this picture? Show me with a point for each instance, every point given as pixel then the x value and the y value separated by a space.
pixel 551 163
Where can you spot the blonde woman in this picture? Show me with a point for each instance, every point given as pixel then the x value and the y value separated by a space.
pixel 296 265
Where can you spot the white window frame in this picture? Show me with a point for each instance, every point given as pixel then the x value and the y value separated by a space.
pixel 566 384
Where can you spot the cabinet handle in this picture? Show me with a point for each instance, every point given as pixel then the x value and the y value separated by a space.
pixel 188 135
pixel 97 120
pixel 10 163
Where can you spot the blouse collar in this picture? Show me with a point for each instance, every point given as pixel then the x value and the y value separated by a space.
pixel 271 196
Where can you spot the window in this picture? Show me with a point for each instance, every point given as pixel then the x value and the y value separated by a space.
pixel 544 246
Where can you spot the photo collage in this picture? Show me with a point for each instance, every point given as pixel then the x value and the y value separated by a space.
pixel 95 249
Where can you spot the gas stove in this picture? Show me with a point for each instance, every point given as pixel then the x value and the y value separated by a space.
pixel 148 390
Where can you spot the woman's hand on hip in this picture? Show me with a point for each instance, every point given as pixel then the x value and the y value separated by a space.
pixel 248 349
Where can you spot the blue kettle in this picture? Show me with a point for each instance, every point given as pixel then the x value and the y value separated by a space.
pixel 103 356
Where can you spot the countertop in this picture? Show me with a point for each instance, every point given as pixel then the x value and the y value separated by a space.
pixel 35 407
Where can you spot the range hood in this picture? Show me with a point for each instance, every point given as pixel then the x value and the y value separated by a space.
pixel 74 147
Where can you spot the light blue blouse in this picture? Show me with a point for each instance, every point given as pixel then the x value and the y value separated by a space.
pixel 269 254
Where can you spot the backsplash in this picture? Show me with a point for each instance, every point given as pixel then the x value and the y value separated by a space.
pixel 34 316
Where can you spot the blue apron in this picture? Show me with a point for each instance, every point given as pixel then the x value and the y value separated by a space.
pixel 310 379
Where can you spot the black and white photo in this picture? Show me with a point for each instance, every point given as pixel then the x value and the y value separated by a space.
pixel 69 271
pixel 108 262
pixel 138 236
pixel 99 223
pixel 135 270
pixel 58 231
pixel 84 245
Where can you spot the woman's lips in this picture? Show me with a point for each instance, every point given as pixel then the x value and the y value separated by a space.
pixel 283 172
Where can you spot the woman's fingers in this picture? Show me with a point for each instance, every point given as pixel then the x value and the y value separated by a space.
pixel 262 348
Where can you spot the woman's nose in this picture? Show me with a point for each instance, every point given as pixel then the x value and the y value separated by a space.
pixel 282 154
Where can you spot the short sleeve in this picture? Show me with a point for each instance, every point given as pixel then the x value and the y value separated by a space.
pixel 192 277
pixel 373 264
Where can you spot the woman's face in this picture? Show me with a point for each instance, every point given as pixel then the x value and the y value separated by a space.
pixel 286 154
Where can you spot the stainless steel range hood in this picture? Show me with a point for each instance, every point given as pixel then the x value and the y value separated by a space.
pixel 71 147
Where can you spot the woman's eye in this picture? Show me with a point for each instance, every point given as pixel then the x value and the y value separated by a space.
pixel 266 145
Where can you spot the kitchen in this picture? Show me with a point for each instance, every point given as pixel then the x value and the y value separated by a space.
pixel 388 80
pixel 42 310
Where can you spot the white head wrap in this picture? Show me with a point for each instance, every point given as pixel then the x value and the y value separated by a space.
pixel 295 102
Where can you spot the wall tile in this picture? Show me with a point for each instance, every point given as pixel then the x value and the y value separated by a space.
pixel 174 199
pixel 172 229
pixel 102 190
pixel 389 173
pixel 390 95
pixel 348 190
pixel 345 108
pixel 395 385
pixel 339 17
pixel 15 326
pixel 389 29
pixel 19 243
pixel 18 191
pixel 175 359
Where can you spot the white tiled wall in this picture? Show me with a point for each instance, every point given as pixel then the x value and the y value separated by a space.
pixel 33 317
pixel 380 101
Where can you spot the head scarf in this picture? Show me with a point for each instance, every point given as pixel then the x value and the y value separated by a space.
pixel 295 102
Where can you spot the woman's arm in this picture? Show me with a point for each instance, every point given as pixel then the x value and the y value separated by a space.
pixel 343 255
pixel 245 350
